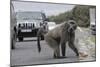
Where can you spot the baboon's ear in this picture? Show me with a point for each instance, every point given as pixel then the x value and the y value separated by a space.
pixel 66 26
pixel 75 26
pixel 69 29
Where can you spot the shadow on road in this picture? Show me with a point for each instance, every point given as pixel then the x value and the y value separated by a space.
pixel 26 40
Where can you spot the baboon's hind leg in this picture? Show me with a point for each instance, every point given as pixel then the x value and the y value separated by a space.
pixel 57 52
pixel 63 49
pixel 54 45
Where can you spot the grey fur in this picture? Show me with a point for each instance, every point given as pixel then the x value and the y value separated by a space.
pixel 41 32
pixel 59 36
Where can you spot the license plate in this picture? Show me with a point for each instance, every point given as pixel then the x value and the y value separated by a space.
pixel 27 30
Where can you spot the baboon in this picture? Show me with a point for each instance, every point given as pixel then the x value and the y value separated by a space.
pixel 40 34
pixel 64 32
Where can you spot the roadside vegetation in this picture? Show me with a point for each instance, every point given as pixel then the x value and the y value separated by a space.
pixel 79 13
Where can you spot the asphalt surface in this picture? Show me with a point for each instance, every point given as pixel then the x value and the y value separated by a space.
pixel 26 53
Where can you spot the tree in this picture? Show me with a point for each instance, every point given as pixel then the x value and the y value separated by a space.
pixel 80 13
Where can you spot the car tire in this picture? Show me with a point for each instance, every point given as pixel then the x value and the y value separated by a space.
pixel 20 38
pixel 42 37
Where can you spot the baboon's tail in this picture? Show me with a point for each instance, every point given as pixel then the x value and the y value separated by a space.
pixel 38 44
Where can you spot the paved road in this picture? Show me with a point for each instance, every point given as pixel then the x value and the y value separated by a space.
pixel 26 53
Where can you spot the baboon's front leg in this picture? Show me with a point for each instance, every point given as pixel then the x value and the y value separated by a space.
pixel 63 49
pixel 72 45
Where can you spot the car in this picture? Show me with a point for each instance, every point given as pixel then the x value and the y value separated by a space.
pixel 28 23
pixel 93 20
pixel 93 28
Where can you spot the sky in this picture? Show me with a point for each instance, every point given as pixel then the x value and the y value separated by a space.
pixel 48 8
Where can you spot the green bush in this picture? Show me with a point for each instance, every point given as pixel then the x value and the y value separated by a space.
pixel 80 13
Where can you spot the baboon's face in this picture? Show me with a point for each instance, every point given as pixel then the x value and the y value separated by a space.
pixel 72 27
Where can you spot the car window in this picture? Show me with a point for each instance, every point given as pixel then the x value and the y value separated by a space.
pixel 29 16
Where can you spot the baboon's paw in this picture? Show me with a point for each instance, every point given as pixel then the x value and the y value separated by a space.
pixel 82 56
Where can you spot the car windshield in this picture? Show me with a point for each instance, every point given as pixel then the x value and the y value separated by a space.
pixel 28 16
